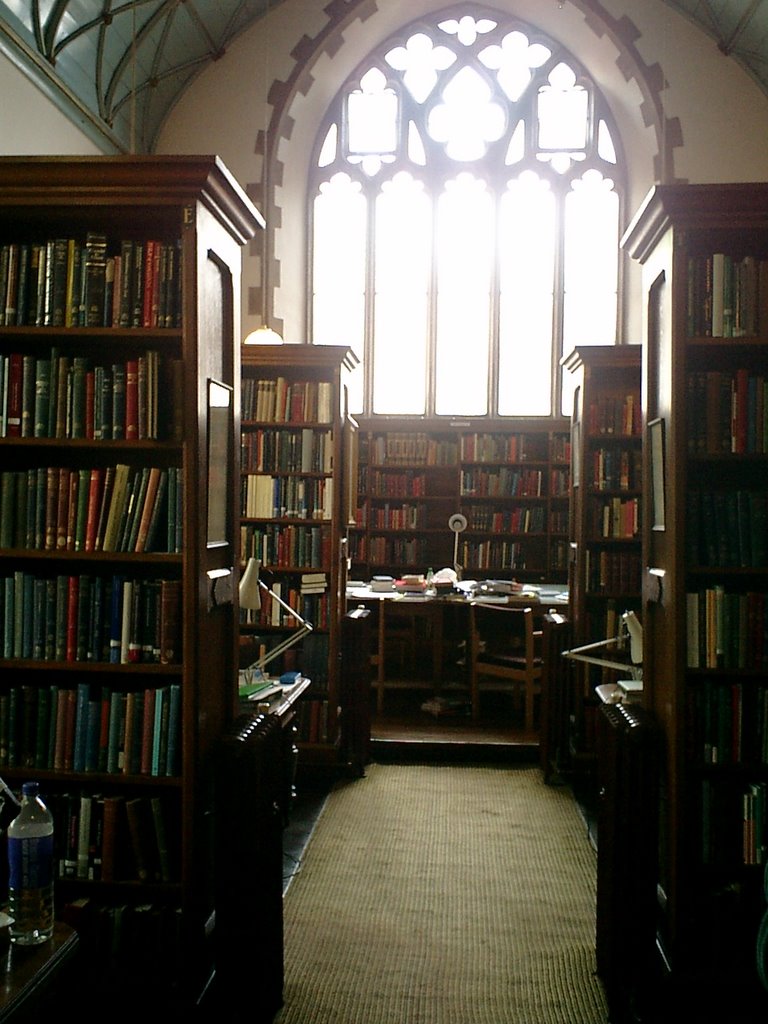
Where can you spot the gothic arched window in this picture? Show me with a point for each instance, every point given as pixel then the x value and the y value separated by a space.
pixel 464 211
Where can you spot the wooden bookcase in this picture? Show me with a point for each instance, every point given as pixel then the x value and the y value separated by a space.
pixel 510 481
pixel 703 250
pixel 297 456
pixel 119 657
pixel 605 515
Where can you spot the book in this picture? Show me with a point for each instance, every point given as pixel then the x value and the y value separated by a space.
pixel 42 396
pixel 147 510
pixel 161 839
pixel 94 280
pixel 141 829
pixel 117 506
pixel 113 838
pixel 170 621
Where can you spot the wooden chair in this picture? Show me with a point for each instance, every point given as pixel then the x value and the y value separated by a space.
pixel 504 654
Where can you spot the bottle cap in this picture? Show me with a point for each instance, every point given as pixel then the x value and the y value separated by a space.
pixel 30 788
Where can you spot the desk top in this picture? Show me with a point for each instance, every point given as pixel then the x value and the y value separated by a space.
pixel 551 594
pixel 27 971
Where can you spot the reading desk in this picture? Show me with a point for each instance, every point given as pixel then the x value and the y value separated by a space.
pixel 445 616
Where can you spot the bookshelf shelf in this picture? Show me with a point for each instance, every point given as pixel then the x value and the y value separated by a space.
pixel 105 365
pixel 294 475
pixel 511 481
pixel 604 518
pixel 705 655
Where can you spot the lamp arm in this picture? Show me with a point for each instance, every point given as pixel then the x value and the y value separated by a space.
pixel 305 627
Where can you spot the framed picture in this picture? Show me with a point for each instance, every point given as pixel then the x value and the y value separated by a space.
pixel 220 442
pixel 656 441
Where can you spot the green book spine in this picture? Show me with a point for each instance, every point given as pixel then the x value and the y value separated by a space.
pixel 118 402
pixel 79 377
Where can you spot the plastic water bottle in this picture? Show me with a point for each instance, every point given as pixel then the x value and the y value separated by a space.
pixel 30 861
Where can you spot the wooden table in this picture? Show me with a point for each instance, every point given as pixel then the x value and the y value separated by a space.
pixel 31 975
pixel 445 615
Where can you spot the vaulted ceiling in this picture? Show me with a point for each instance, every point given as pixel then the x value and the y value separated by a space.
pixel 123 64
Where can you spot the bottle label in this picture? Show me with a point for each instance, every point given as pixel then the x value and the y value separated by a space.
pixel 30 862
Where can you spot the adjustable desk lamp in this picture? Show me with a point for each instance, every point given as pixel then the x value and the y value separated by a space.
pixel 249 593
pixel 629 627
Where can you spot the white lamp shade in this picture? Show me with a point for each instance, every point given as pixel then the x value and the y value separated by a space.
pixel 249 590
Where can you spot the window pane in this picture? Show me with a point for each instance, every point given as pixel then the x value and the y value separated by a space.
pixel 591 239
pixel 372 116
pixel 338 272
pixel 465 246
pixel 464 288
pixel 562 111
pixel 527 250
pixel 401 301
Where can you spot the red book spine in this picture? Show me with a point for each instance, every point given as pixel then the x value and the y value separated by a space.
pixel 150 283
pixel 145 766
pixel 13 417
pixel 132 399
pixel 94 504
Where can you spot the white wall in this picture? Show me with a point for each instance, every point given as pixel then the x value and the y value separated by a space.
pixel 30 124
pixel 722 114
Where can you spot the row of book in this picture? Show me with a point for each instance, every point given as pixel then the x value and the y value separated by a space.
pixel 614 518
pixel 77 618
pixel 521 519
pixel 293 497
pixel 279 400
pixel 727 412
pixel 112 508
pixel 63 396
pixel 113 837
pixel 396 517
pixel 286 451
pixel 501 554
pixel 482 447
pixel 314 722
pixel 91 728
pixel 619 415
pixel 414 448
pixel 398 484
pixel 727 529
pixel 726 295
pixel 616 469
pixel 503 482
pixel 309 597
pixel 90 282
pixel 128 940
pixel 734 824
pixel 729 723
pixel 286 546
pixel 612 572
pixel 727 629
pixel 560 483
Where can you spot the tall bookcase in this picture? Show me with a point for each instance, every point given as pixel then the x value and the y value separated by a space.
pixel 509 480
pixel 704 255
pixel 605 515
pixel 297 460
pixel 121 300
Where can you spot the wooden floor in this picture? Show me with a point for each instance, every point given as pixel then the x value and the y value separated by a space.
pixel 410 719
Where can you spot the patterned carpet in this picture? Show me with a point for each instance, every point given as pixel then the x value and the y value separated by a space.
pixel 444 895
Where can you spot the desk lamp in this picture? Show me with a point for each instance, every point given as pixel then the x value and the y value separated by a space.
pixel 629 628
pixel 457 523
pixel 249 593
